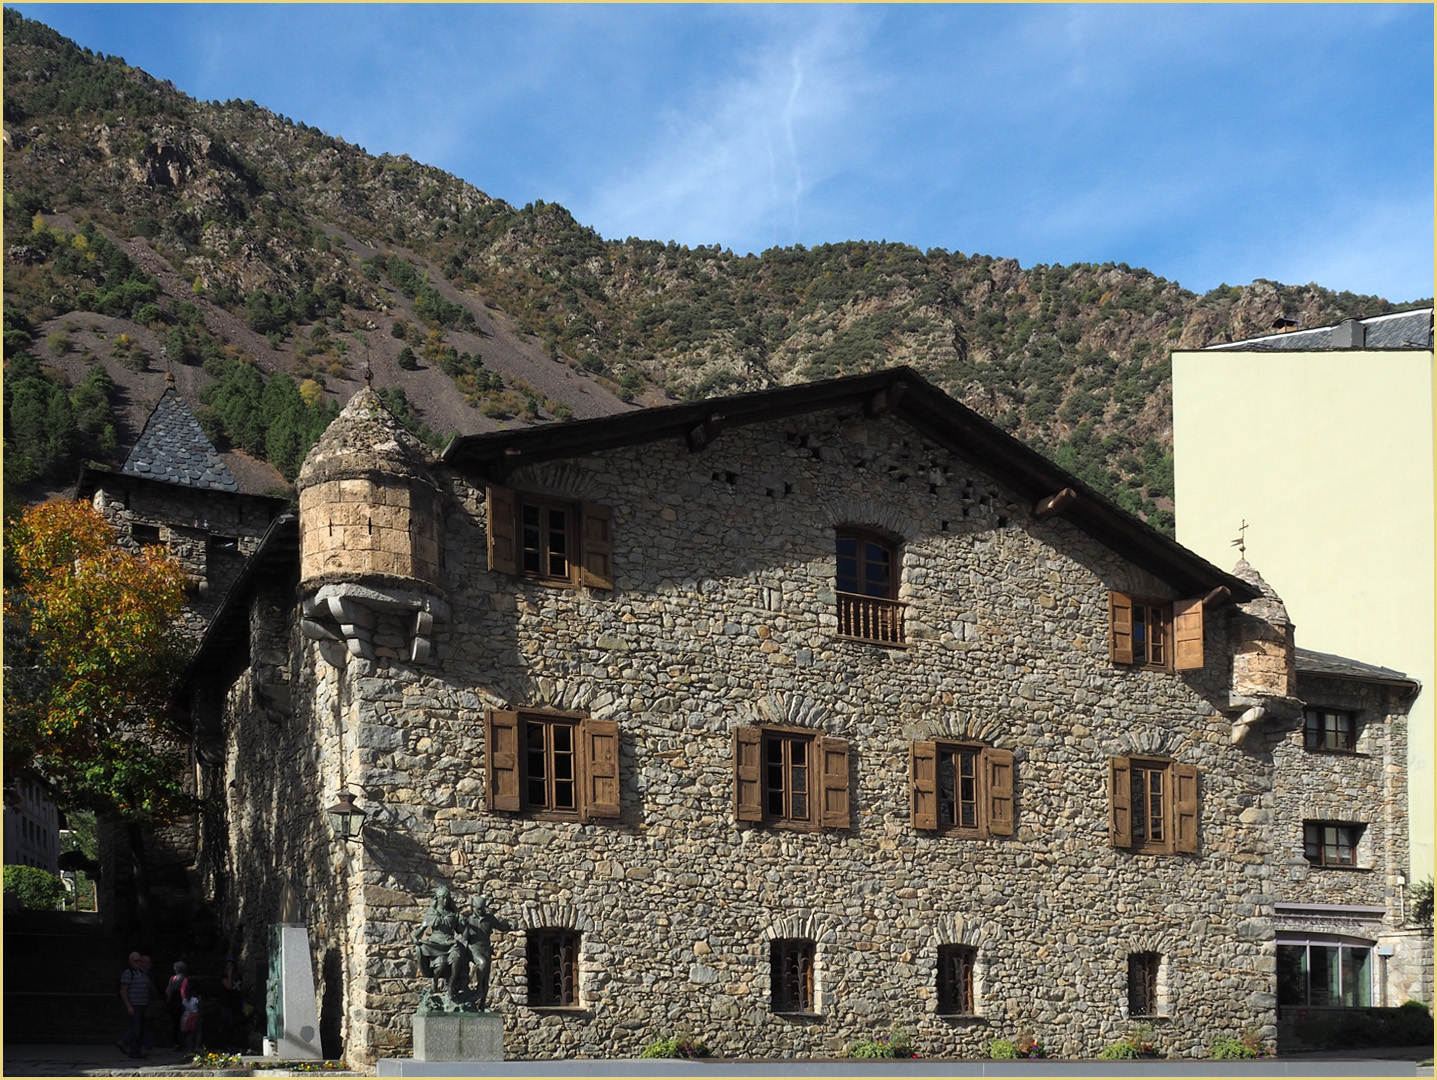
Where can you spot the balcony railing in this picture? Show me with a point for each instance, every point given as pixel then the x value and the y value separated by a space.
pixel 870 618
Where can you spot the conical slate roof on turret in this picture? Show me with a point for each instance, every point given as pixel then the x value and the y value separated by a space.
pixel 174 448
pixel 364 438
pixel 1270 605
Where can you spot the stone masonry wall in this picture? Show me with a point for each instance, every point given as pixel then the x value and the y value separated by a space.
pixel 187 520
pixel 282 768
pixel 1368 785
pixel 723 615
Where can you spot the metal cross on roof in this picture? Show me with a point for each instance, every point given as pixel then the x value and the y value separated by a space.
pixel 1241 542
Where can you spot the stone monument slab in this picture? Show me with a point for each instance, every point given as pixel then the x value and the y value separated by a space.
pixel 458 1036
pixel 292 1007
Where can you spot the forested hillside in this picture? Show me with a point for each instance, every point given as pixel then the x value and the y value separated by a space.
pixel 267 264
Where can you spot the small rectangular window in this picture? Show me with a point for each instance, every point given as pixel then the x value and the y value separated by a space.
pixel 545 540
pixel 553 968
pixel 1153 805
pixel 553 765
pixel 145 535
pixel 550 777
pixel 1330 843
pixel 1326 729
pixel 787 761
pixel 955 979
pixel 1143 983
pixel 791 975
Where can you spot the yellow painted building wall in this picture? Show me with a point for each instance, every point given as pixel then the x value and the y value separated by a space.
pixel 1329 458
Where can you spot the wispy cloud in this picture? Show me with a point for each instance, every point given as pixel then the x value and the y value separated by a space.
pixel 735 163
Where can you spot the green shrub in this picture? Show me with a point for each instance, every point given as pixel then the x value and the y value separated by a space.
pixel 39 890
pixel 676 1046
pixel 1226 1048
pixel 1122 1050
pixel 1002 1049
pixel 896 1044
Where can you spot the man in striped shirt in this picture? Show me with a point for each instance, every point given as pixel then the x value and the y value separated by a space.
pixel 135 995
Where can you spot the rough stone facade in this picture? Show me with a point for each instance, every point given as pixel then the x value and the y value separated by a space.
pixel 715 612
pixel 1365 787
pixel 722 616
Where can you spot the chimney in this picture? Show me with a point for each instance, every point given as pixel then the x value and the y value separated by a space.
pixel 1349 334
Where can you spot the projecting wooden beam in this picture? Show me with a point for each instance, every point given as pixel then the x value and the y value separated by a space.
pixel 1054 504
pixel 885 400
pixel 700 435
pixel 1219 596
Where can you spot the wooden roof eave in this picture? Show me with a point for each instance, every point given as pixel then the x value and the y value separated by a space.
pixel 948 422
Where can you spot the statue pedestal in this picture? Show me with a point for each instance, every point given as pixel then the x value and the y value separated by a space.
pixel 458 1037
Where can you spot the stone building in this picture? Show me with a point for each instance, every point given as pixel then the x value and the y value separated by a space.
pixel 209 510
pixel 775 719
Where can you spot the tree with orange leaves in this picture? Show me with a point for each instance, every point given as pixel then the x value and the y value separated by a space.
pixel 92 647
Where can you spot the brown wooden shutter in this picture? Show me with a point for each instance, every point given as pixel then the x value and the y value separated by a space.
pixel 597 543
pixel 502 758
pixel 601 768
pixel 1120 802
pixel 748 774
pixel 923 784
pixel 1187 634
pixel 1185 808
pixel 1120 627
pixel 834 812
pixel 999 768
pixel 503 526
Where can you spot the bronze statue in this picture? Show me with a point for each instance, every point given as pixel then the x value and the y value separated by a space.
pixel 456 944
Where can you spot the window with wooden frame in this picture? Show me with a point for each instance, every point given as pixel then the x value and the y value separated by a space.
pixel 553 764
pixel 1331 843
pixel 552 967
pixel 867 587
pixel 550 540
pixel 790 777
pixel 1143 968
pixel 1163 635
pixel 1153 805
pixel 1329 730
pixel 791 975
pixel 955 980
pixel 962 789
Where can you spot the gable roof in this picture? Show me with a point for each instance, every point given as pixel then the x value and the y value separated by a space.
pixel 174 448
pixel 899 390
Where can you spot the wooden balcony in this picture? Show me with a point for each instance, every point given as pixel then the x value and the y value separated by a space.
pixel 870 618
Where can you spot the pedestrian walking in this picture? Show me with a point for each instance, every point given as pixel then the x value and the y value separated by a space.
pixel 135 996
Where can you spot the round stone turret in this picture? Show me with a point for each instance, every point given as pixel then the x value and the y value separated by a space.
pixel 369 510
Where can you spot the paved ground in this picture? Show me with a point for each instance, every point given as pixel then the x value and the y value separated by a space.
pixel 34 1060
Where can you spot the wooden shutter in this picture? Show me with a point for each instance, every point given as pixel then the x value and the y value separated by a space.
pixel 1120 802
pixel 748 774
pixel 597 547
pixel 600 766
pixel 923 784
pixel 1120 627
pixel 998 767
pixel 1187 634
pixel 1185 808
pixel 834 812
pixel 502 758
pixel 503 526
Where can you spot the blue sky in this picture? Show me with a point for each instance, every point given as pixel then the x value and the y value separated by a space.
pixel 1209 144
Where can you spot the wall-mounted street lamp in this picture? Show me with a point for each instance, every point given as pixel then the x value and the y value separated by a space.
pixel 345 818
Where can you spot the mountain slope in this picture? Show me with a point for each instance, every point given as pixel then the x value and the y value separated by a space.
pixel 255 241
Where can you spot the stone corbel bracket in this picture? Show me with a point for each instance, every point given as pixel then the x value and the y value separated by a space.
pixel 1248 712
pixel 346 618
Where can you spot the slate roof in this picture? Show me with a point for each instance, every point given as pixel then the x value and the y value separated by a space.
pixel 1399 330
pixel 1340 667
pixel 174 448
